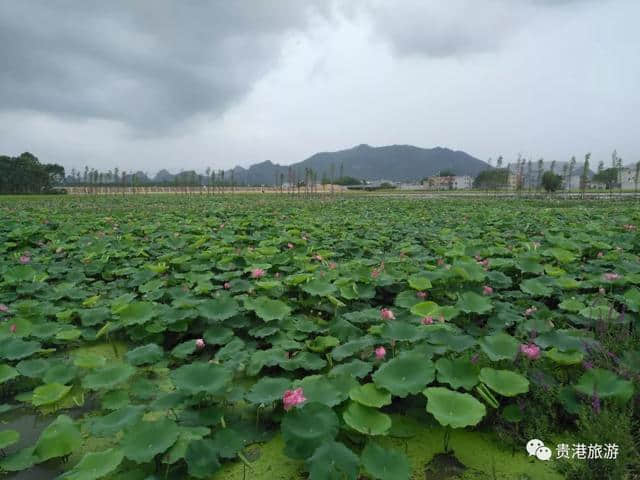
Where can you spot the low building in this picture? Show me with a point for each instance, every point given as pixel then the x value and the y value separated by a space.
pixel 457 182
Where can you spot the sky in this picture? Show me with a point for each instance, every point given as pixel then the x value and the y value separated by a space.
pixel 155 84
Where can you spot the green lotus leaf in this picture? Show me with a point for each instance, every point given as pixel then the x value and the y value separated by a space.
pixel 228 442
pixel 530 264
pixel 333 461
pixel 406 299
pixel 571 305
pixel 305 429
pixel 145 440
pixel 69 334
pixel 267 390
pixel 305 360
pixel 563 340
pixel 632 299
pixel 108 377
pixel 33 368
pixel 425 309
pixel 262 358
pixel 471 302
pixel 217 335
pixel 536 288
pixel 16 349
pixel 457 372
pixel 95 465
pixel 7 372
pixel 512 413
pixel 184 349
pixel 406 374
pixel 145 354
pixel 21 460
pixel 419 282
pixel 366 420
pixel 355 368
pixel 137 313
pixel 61 372
pixel 60 438
pixel 599 312
pixel 454 409
pixel 219 309
pixel 452 340
pixel 322 343
pixel 89 360
pixel 384 463
pixel 202 458
pixel 351 348
pixel 268 309
pixel 500 346
pixel 318 287
pixel 49 393
pixel 370 396
pixel 469 271
pixel 605 384
pixel 401 331
pixel 317 388
pixel 116 421
pixel 8 437
pixel 571 357
pixel 115 399
pixel 201 377
pixel 504 382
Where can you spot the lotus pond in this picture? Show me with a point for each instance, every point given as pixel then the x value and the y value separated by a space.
pixel 337 338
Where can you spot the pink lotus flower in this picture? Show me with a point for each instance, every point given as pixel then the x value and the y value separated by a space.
pixel 226 285
pixel 13 328
pixel 629 227
pixel 611 277
pixel 24 259
pixel 440 261
pixel 317 257
pixel 199 344
pixel 530 311
pixel 601 291
pixel 536 245
pixel 277 275
pixel 487 290
pixel 600 254
pixel 375 273
pixel 289 245
pixel 332 265
pixel 441 318
pixel 291 398
pixel 380 353
pixel 257 273
pixel 422 294
pixel 427 321
pixel 4 308
pixel 531 350
pixel 387 314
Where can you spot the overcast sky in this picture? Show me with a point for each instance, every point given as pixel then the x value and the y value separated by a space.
pixel 151 84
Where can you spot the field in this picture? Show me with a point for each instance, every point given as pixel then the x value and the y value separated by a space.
pixel 152 337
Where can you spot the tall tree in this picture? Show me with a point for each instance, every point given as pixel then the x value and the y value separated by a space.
pixel 572 165
pixel 585 174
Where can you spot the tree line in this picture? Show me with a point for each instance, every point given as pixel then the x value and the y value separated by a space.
pixel 25 174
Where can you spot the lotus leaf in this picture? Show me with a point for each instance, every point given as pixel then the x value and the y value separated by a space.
pixel 366 420
pixel 504 382
pixel 145 440
pixel 454 409
pixel 49 393
pixel 201 377
pixel 370 396
pixel 60 438
pixel 385 464
pixel 605 384
pixel 108 377
pixel 333 460
pixel 95 465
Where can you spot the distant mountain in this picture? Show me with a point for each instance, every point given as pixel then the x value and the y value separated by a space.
pixel 394 162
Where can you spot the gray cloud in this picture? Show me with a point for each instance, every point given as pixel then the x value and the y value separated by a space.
pixel 147 64
pixel 434 28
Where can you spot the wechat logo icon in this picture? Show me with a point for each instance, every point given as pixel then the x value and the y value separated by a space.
pixel 536 448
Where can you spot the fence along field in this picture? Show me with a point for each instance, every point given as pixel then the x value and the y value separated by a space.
pixel 339 337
